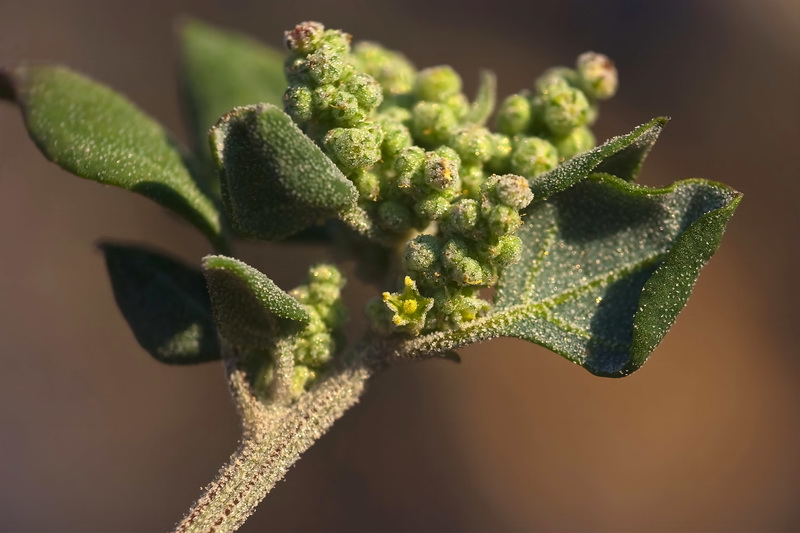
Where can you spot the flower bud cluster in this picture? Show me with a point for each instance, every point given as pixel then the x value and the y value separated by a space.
pixel 315 345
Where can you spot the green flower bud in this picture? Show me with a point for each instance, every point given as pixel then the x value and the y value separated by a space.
pixel 432 206
pixel 366 89
pixel 298 103
pixel 325 66
pixel 463 307
pixel 301 294
pixel 575 142
pixel 555 79
pixel 336 41
pixel 392 70
pixel 322 99
pixel 421 253
pixel 564 109
pixel 367 183
pixel 510 190
pixel 436 84
pixel 409 307
pixel 304 38
pixel 532 156
pixel 598 75
pixel 459 105
pixel 460 267
pixel 396 137
pixel 514 115
pixel 462 217
pixel 354 148
pixel 473 145
pixel 507 251
pixel 501 154
pixel 472 178
pixel 296 69
pixel 302 379
pixel 326 273
pixel 323 294
pixel 448 153
pixel 503 220
pixel 409 166
pixel 432 124
pixel 440 173
pixel 395 114
pixel 394 216
pixel 344 109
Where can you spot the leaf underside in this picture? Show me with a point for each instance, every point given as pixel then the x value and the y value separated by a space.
pixel 606 268
pixel 97 134
pixel 275 180
pixel 165 303
pixel 249 309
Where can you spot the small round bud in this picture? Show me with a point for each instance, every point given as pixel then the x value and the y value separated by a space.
pixel 510 190
pixel 501 153
pixel 503 220
pixel 325 66
pixel 392 70
pixel 409 166
pixel 323 295
pixel 432 206
pixel 532 156
pixel 598 75
pixel 462 307
pixel 322 99
pixel 298 103
pixel 366 90
pixel 514 115
pixel 304 37
pixel 440 173
pixel 461 268
pixel 395 113
pixel 326 273
pixel 396 137
pixel 556 78
pixel 354 148
pixel 302 379
pixel 462 217
pixel 344 109
pixel 336 41
pixel 473 145
pixel 564 109
pixel 394 216
pixel 296 69
pixel 367 183
pixel 436 84
pixel 421 253
pixel 301 294
pixel 472 178
pixel 507 251
pixel 575 142
pixel 459 105
pixel 432 124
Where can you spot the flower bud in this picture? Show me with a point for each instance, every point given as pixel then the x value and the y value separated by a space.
pixel 366 90
pixel 462 217
pixel 409 166
pixel 503 220
pixel 440 173
pixel 436 84
pixel 325 66
pixel 302 379
pixel 394 216
pixel 298 103
pixel 432 206
pixel 326 273
pixel 459 105
pixel 532 156
pixel 507 251
pixel 510 190
pixel 473 145
pixel 344 109
pixel 432 124
pixel 575 142
pixel 304 37
pixel 367 183
pixel 501 153
pixel 555 79
pixel 392 70
pixel 461 268
pixel 421 253
pixel 396 137
pixel 336 41
pixel 296 69
pixel 564 109
pixel 514 115
pixel 354 148
pixel 598 75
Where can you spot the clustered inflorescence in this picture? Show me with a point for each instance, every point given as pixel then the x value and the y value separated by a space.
pixel 428 171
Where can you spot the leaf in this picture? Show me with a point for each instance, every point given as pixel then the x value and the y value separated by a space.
pixel 249 309
pixel 606 267
pixel 579 167
pixel 165 303
pixel 275 180
pixel 481 109
pixel 627 163
pixel 221 70
pixel 97 134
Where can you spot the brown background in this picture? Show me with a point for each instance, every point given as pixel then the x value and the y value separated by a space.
pixel 96 436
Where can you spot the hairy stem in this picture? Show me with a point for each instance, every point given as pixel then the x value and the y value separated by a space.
pixel 274 438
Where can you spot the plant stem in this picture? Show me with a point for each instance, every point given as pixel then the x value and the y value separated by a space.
pixel 268 450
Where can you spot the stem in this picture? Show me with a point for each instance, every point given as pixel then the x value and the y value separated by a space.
pixel 274 438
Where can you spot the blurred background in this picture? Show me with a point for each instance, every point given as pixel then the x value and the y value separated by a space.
pixel 97 436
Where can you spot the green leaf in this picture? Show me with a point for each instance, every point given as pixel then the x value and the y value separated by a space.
pixel 579 167
pixel 606 267
pixel 481 109
pixel 221 70
pixel 275 180
pixel 627 163
pixel 165 303
pixel 249 309
pixel 97 134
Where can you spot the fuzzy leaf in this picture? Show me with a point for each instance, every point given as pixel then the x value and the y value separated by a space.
pixel 275 180
pixel 481 109
pixel 619 149
pixel 97 134
pixel 627 163
pixel 606 268
pixel 249 308
pixel 221 70
pixel 165 303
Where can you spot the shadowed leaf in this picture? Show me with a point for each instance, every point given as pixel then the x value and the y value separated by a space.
pixel 165 303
